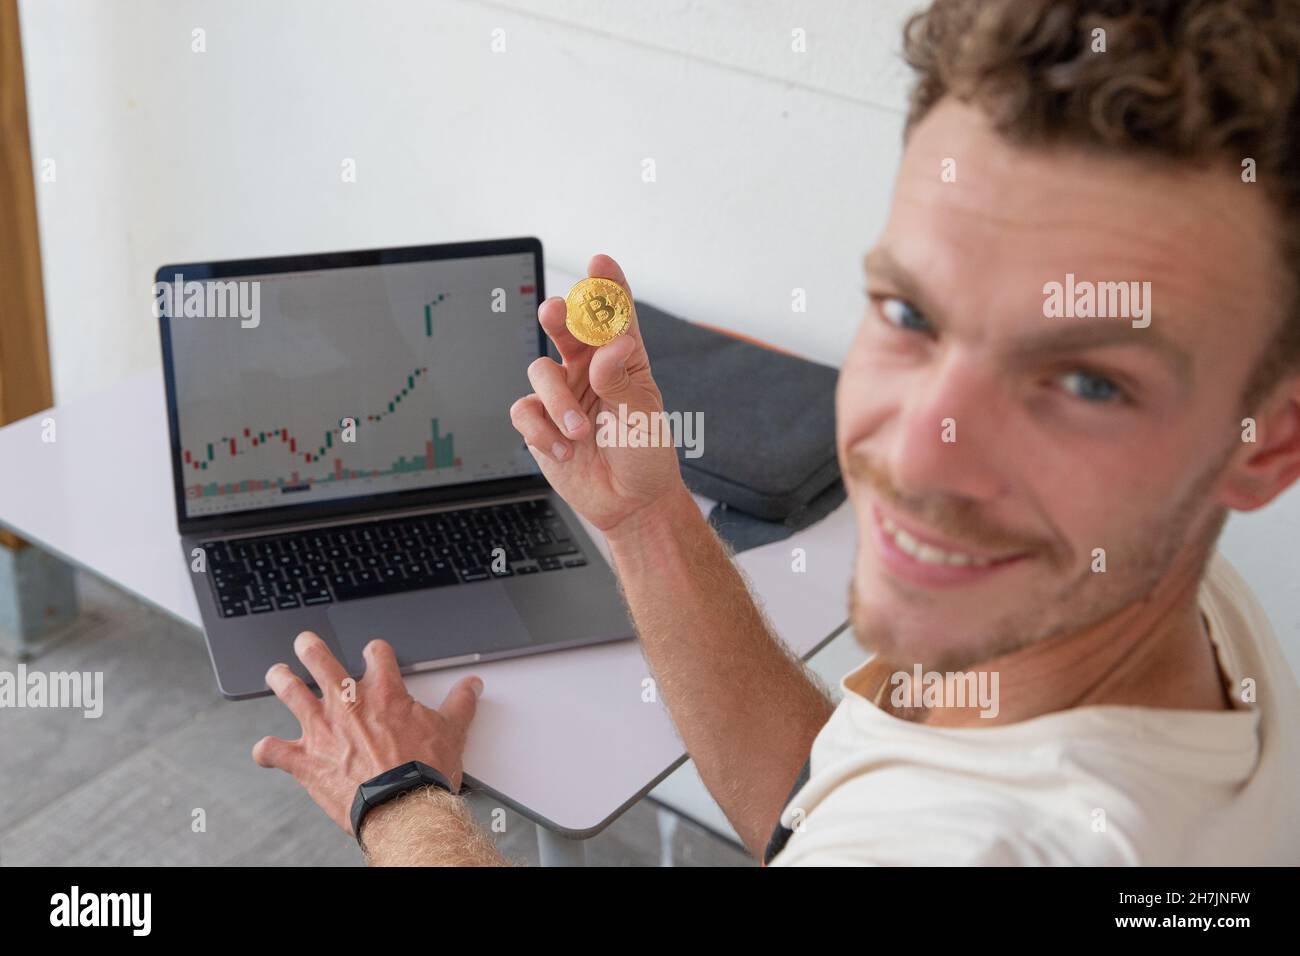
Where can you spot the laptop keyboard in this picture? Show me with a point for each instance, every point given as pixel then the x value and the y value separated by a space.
pixel 346 562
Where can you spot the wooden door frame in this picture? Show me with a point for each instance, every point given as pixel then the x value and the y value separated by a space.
pixel 25 382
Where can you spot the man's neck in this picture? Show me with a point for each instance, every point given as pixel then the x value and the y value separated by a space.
pixel 1156 653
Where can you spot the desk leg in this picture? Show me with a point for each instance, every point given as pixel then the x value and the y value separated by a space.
pixel 667 827
pixel 556 850
pixel 37 595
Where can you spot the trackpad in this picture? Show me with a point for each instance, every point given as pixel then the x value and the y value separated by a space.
pixel 431 625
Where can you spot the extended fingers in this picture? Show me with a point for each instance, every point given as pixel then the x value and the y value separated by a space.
pixel 529 417
pixel 602 266
pixel 552 387
pixel 323 666
pixel 461 702
pixel 382 669
pixel 293 693
pixel 278 754
pixel 553 315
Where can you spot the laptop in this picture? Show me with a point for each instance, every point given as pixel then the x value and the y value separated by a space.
pixel 343 461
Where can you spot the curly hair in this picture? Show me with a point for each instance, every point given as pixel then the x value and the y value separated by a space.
pixel 1201 82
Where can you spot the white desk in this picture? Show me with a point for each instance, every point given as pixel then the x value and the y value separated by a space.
pixel 564 738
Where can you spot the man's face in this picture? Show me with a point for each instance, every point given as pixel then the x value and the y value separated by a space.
pixel 1007 446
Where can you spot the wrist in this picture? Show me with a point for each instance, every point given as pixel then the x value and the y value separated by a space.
pixel 386 822
pixel 652 523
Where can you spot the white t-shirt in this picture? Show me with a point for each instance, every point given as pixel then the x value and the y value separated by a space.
pixel 1104 785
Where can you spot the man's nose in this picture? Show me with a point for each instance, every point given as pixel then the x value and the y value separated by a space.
pixel 946 441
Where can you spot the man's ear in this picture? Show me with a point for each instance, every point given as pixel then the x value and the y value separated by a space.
pixel 1269 460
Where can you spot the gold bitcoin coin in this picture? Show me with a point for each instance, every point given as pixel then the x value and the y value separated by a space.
pixel 599 311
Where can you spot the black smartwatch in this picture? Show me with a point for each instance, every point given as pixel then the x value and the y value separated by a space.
pixel 392 783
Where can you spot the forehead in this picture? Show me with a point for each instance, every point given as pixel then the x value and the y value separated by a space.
pixel 1013 218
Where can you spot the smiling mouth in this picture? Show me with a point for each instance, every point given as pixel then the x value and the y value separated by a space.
pixel 925 562
pixel 928 553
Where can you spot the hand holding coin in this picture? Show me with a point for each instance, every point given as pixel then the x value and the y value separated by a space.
pixel 599 311
pixel 603 373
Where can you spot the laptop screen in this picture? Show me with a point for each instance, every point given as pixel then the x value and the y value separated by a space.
pixel 311 386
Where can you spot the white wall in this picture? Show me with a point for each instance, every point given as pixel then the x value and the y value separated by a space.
pixel 773 167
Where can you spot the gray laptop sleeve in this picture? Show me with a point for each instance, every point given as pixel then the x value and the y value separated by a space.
pixel 769 418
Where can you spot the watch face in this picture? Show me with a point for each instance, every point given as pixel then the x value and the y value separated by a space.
pixel 377 785
pixel 401 778
pixel 406 771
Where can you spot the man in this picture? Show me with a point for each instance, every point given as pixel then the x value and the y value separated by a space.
pixel 1039 467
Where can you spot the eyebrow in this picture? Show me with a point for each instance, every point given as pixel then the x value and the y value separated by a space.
pixel 879 262
pixel 1081 334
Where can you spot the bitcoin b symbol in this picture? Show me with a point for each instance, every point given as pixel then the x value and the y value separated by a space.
pixel 599 310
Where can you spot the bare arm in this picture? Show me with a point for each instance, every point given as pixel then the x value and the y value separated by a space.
pixel 746 710
pixel 427 827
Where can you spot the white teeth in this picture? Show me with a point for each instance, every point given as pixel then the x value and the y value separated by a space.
pixel 932 555
pixel 928 553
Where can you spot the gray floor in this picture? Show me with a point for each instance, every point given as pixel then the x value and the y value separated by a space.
pixel 123 789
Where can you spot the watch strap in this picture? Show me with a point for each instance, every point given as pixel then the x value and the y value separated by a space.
pixel 401 779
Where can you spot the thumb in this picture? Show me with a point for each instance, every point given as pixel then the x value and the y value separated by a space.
pixel 619 372
pixel 462 701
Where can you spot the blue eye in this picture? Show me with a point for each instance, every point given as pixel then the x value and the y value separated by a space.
pixel 1092 388
pixel 901 315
